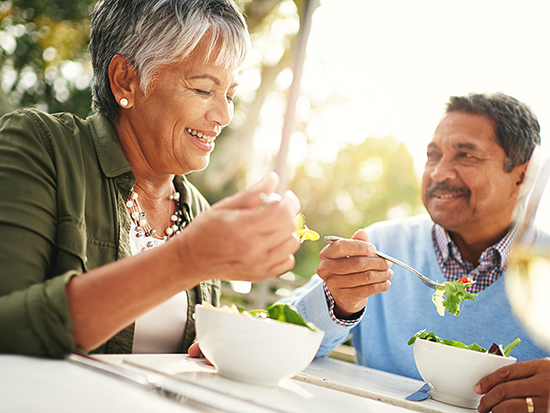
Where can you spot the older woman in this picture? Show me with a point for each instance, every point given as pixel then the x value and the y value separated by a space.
pixel 105 245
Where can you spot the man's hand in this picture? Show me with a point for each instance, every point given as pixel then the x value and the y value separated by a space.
pixel 352 274
pixel 507 388
pixel 239 238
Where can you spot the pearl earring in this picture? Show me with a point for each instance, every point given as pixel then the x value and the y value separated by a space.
pixel 123 102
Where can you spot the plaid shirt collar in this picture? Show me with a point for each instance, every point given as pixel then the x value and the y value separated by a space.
pixel 492 261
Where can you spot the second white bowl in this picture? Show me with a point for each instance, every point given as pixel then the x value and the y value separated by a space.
pixel 453 372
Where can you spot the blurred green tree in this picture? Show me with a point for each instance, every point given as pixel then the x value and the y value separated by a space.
pixel 43 55
pixel 371 181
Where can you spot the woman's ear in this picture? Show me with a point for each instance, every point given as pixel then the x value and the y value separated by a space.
pixel 124 81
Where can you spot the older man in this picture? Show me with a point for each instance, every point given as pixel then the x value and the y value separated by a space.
pixel 475 165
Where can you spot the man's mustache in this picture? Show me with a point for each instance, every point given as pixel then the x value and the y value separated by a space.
pixel 447 188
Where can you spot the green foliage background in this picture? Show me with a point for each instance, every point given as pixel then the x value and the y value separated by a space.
pixel 369 182
pixel 40 42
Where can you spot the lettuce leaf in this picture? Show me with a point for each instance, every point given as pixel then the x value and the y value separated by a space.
pixel 303 232
pixel 450 297
pixel 511 346
pixel 474 346
pixel 284 313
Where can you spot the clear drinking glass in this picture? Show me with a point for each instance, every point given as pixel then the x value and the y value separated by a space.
pixel 527 278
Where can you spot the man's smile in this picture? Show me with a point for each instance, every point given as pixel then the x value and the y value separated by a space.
pixel 450 196
pixel 445 191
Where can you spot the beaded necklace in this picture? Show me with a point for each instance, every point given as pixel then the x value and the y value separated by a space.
pixel 142 227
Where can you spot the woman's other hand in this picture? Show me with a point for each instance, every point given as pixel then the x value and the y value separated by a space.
pixel 195 351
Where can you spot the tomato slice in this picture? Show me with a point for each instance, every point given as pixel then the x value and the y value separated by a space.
pixel 466 280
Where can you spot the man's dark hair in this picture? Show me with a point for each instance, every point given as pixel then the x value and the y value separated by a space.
pixel 517 129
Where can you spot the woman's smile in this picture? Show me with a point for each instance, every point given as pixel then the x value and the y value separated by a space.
pixel 203 140
pixel 203 137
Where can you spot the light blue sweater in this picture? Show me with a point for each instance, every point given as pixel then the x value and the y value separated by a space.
pixel 391 318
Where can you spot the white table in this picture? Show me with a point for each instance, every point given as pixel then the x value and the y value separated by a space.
pixel 30 384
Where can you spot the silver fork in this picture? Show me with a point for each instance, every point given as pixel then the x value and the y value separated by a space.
pixel 427 281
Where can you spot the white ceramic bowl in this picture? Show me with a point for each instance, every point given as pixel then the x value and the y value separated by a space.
pixel 253 350
pixel 452 372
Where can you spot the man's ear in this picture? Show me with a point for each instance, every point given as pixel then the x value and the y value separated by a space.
pixel 124 81
pixel 521 177
pixel 522 183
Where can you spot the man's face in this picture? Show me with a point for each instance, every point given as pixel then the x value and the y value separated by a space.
pixel 464 187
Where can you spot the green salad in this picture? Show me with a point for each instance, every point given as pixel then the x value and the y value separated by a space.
pixel 280 312
pixel 450 297
pixel 495 349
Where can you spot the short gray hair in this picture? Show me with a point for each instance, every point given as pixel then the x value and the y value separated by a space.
pixel 517 129
pixel 152 33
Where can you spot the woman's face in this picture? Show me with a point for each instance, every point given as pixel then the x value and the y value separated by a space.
pixel 175 126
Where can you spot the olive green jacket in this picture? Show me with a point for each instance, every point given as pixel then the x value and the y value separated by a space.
pixel 64 183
